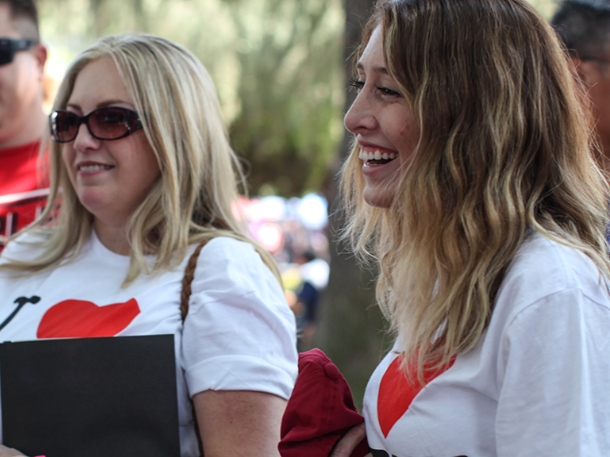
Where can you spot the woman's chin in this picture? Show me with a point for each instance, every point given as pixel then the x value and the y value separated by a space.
pixel 94 205
pixel 377 197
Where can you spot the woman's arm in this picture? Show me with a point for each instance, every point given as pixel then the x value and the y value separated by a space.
pixel 239 351
pixel 239 423
pixel 350 442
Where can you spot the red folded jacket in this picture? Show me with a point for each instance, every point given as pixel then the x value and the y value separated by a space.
pixel 320 411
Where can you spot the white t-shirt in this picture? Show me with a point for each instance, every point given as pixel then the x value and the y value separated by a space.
pixel 239 333
pixel 537 384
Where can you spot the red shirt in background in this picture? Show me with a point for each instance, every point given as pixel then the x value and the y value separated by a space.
pixel 21 196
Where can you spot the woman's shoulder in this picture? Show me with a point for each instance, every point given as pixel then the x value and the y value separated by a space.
pixel 229 244
pixel 229 250
pixel 544 267
pixel 548 258
pixel 229 259
pixel 229 269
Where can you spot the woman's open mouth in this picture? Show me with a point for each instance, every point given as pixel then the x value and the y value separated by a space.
pixel 377 157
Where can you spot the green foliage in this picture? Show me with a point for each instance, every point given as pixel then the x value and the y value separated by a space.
pixel 544 7
pixel 288 124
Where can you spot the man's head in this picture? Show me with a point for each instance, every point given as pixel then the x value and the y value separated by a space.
pixel 21 117
pixel 584 27
pixel 24 16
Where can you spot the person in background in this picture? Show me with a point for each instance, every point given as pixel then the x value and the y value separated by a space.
pixel 142 159
pixel 584 28
pixel 473 184
pixel 22 120
pixel 313 272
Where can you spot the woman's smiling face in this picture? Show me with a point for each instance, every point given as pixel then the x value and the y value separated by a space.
pixel 384 125
pixel 110 177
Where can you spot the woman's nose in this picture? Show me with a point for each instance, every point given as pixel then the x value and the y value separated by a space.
pixel 84 140
pixel 360 117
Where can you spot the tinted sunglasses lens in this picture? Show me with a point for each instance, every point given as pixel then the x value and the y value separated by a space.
pixel 109 123
pixel 64 125
pixel 6 52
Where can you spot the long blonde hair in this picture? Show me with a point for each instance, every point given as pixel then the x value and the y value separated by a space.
pixel 195 196
pixel 505 147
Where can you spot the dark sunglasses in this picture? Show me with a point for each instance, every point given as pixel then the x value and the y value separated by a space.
pixel 9 46
pixel 109 123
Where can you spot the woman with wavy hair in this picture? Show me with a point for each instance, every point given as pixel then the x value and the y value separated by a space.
pixel 473 183
pixel 142 164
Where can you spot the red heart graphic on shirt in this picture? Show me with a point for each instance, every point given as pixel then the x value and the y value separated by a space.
pixel 83 319
pixel 396 393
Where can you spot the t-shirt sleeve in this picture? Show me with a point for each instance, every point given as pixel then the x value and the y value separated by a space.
pixel 555 376
pixel 239 333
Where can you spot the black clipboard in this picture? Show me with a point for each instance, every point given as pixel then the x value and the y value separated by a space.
pixel 90 397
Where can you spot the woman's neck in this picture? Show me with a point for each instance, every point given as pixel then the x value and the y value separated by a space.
pixel 113 237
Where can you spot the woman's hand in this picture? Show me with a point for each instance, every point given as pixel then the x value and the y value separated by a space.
pixel 349 442
pixel 236 423
pixel 10 452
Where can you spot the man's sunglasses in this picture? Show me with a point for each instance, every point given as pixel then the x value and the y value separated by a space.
pixel 109 123
pixel 9 46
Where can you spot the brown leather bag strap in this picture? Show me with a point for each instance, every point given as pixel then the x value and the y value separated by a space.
pixel 189 274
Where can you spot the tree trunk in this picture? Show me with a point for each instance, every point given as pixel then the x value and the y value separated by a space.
pixel 350 327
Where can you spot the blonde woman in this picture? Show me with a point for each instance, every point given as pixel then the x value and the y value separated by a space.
pixel 143 167
pixel 472 182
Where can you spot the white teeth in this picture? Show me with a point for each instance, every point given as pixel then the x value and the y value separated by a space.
pixel 377 155
pixel 94 167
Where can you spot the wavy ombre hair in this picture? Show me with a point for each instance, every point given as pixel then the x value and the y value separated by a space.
pixel 505 148
pixel 197 191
